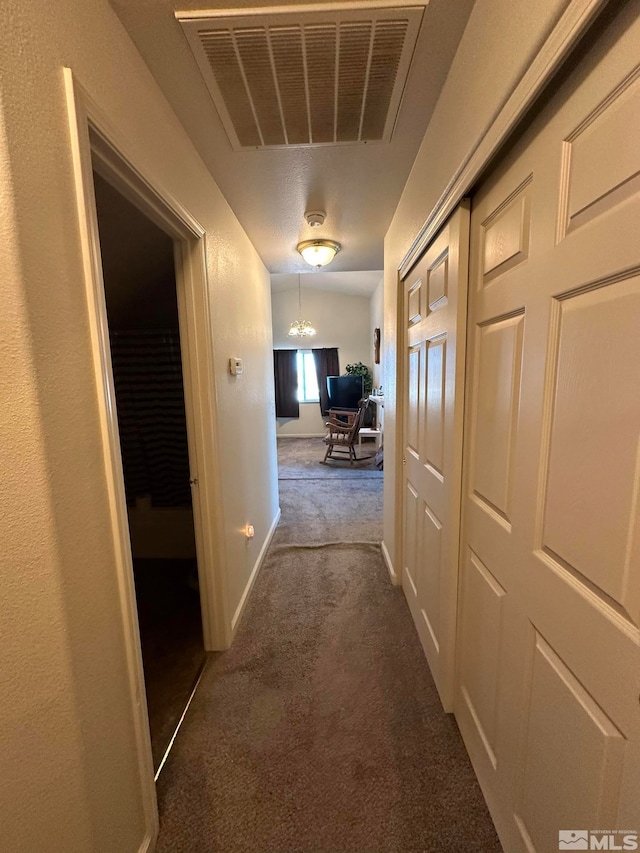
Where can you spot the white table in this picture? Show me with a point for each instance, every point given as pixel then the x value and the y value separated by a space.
pixel 378 399
pixel 367 432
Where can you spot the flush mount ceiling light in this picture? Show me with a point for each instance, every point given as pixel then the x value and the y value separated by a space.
pixel 318 253
pixel 301 328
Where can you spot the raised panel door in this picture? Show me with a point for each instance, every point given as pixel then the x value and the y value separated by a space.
pixel 549 619
pixel 435 294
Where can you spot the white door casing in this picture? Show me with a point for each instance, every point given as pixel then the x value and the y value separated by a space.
pixel 434 317
pixel 549 643
pixel 96 144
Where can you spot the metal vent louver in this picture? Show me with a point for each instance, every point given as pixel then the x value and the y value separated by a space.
pixel 296 78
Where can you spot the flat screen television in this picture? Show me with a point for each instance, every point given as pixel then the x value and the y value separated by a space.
pixel 345 392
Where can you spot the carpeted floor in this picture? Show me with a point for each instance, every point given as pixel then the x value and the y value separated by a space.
pixel 320 730
pixel 301 458
pixel 317 511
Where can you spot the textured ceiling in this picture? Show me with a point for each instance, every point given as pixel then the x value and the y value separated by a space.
pixel 361 283
pixel 269 190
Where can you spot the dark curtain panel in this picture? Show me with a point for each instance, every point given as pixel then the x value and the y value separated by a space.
pixel 327 364
pixel 147 371
pixel 285 371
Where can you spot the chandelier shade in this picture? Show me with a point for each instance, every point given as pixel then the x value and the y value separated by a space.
pixel 301 328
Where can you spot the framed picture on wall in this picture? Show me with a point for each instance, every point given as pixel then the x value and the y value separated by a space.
pixel 376 346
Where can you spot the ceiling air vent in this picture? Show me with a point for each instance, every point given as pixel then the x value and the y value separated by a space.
pixel 306 78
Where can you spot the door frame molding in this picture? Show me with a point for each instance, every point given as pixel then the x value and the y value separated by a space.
pixel 572 24
pixel 96 145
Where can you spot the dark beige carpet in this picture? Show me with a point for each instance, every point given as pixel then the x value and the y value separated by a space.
pixel 300 459
pixel 322 511
pixel 320 730
pixel 321 504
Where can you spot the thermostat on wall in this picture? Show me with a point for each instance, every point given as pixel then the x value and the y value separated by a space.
pixel 235 366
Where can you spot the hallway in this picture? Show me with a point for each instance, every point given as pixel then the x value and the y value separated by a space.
pixel 320 729
pixel 306 735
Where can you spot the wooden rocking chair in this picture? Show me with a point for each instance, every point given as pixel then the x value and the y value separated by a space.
pixel 343 432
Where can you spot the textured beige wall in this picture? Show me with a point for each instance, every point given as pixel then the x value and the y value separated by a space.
pixel 40 733
pixel 499 42
pixel 68 780
pixel 376 322
pixel 340 320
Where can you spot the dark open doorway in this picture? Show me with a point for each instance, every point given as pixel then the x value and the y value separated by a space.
pixel 140 289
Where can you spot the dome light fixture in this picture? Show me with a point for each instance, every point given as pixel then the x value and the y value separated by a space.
pixel 318 253
pixel 300 328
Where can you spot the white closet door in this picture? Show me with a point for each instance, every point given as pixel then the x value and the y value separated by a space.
pixel 549 666
pixel 435 303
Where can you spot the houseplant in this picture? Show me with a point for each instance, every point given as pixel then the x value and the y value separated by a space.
pixel 360 369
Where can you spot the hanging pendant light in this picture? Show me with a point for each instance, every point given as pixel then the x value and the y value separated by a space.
pixel 301 328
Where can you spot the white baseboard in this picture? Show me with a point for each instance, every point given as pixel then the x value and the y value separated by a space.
pixel 237 616
pixel 395 580
pixel 301 435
